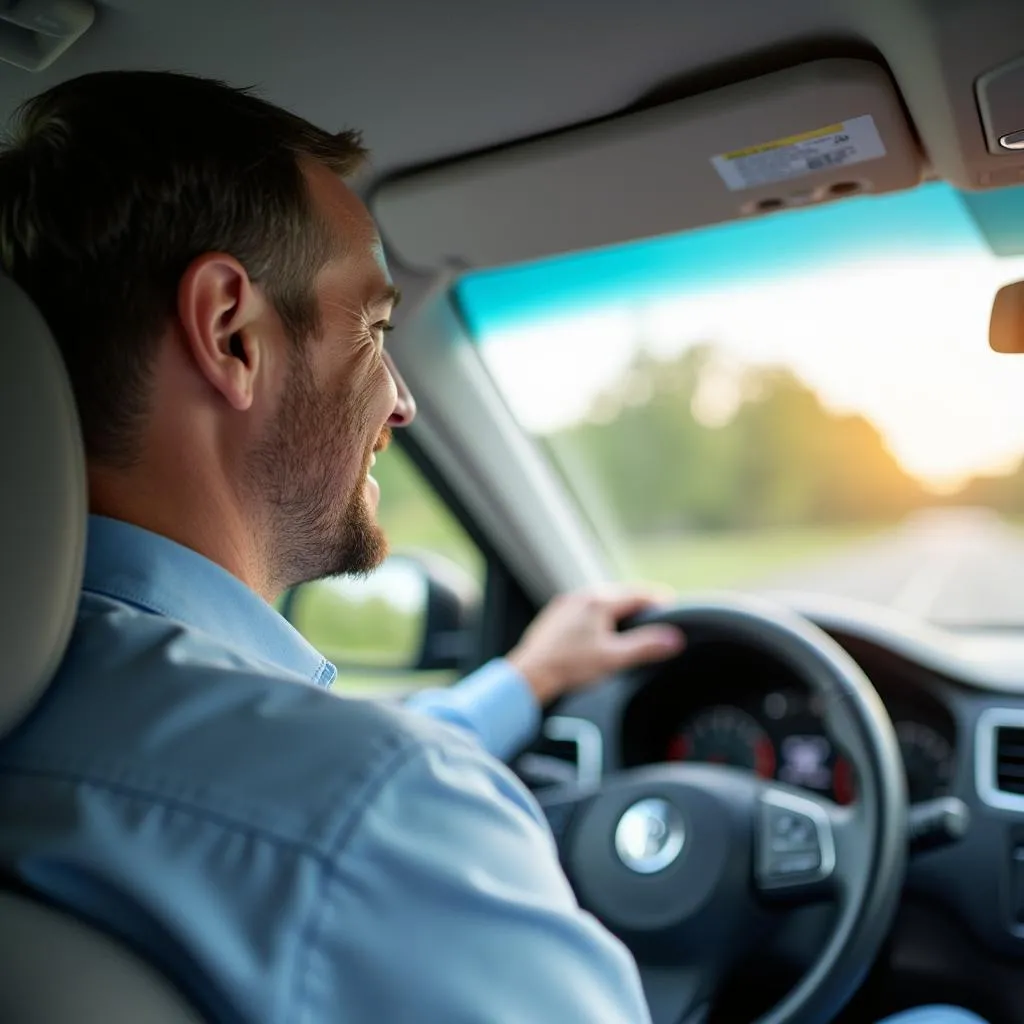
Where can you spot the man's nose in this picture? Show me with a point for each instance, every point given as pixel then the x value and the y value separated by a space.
pixel 405 405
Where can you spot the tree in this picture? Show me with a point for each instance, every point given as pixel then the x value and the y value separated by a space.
pixel 779 457
pixel 1003 493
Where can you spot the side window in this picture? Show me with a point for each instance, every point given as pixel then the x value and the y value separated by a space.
pixel 409 624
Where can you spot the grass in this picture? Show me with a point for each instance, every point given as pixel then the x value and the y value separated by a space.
pixel 711 561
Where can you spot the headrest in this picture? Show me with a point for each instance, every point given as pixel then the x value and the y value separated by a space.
pixel 43 505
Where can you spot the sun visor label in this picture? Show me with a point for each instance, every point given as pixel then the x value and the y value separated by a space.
pixel 836 145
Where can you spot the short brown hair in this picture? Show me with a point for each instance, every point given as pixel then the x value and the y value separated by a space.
pixel 112 183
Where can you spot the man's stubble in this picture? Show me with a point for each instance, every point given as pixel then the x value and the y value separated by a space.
pixel 309 477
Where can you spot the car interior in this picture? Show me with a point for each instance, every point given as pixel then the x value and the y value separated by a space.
pixel 848 770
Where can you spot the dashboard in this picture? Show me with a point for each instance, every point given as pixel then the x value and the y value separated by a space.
pixel 957 705
pixel 725 704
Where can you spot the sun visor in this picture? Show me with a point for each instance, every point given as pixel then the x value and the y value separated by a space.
pixel 810 134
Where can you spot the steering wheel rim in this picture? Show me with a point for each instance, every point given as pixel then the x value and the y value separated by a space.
pixel 857 719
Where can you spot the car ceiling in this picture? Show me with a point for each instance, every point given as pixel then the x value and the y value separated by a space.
pixel 427 82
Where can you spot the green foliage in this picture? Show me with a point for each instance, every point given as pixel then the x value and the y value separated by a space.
pixel 1004 493
pixel 777 458
pixel 414 517
pixel 371 631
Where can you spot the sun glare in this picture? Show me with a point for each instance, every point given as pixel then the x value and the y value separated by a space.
pixel 901 341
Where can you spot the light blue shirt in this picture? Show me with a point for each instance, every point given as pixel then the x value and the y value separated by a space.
pixel 284 853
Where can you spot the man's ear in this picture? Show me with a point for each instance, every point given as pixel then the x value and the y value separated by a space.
pixel 219 310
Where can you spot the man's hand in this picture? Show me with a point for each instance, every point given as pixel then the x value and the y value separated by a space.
pixel 574 641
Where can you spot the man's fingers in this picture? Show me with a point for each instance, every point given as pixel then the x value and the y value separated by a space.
pixel 624 602
pixel 647 643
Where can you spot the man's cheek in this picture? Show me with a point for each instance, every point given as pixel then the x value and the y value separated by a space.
pixel 377 396
pixel 390 386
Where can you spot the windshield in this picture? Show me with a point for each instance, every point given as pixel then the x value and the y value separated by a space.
pixel 800 402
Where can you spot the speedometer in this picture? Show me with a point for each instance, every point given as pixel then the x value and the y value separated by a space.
pixel 725 735
pixel 928 760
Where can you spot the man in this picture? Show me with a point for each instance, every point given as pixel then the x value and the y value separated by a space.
pixel 220 298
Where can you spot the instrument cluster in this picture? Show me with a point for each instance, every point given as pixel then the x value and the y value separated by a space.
pixel 729 706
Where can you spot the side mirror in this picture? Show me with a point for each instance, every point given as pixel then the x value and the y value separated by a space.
pixel 415 613
pixel 1006 327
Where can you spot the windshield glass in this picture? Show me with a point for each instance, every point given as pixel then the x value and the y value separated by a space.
pixel 800 402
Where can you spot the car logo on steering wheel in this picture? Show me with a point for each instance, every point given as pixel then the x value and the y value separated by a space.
pixel 649 836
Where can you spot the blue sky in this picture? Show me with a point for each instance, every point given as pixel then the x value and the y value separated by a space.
pixel 931 218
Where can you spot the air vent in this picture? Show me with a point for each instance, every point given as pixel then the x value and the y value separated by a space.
pixel 569 750
pixel 1010 760
pixel 999 758
pixel 584 737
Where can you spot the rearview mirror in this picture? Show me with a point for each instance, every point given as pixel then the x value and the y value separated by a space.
pixel 414 613
pixel 1006 327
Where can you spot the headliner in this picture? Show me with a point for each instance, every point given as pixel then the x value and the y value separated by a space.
pixel 429 80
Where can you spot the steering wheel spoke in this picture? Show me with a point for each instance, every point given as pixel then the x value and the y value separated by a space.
pixel 798 844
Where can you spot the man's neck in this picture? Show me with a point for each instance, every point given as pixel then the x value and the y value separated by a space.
pixel 207 520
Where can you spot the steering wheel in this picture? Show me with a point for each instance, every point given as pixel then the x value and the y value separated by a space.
pixel 693 866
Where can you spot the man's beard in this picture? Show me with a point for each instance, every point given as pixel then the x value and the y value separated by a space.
pixel 312 528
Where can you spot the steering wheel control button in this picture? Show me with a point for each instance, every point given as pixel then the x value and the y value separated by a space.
pixel 793 844
pixel 796 846
pixel 792 832
pixel 650 835
pixel 788 864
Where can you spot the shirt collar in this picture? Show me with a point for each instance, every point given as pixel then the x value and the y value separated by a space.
pixel 154 573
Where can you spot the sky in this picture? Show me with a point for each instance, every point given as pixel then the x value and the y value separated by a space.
pixel 883 311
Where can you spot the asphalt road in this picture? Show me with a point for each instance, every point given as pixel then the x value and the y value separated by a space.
pixel 957 567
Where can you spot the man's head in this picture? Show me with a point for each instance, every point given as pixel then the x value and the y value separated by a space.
pixel 220 297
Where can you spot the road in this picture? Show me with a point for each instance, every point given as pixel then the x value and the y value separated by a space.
pixel 959 567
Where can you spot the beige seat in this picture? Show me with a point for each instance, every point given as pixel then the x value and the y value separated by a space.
pixel 52 968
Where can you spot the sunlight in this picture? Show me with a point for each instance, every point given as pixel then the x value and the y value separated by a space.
pixel 902 341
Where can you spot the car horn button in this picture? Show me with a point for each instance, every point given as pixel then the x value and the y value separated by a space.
pixel 649 836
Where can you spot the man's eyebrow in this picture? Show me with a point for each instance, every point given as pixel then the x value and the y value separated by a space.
pixel 389 295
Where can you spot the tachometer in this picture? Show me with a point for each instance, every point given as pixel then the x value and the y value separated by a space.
pixel 928 759
pixel 725 735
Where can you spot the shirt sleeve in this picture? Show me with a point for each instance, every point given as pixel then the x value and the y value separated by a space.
pixel 495 703
pixel 448 903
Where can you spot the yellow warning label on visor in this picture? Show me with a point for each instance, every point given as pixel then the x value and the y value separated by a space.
pixel 790 140
pixel 825 149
